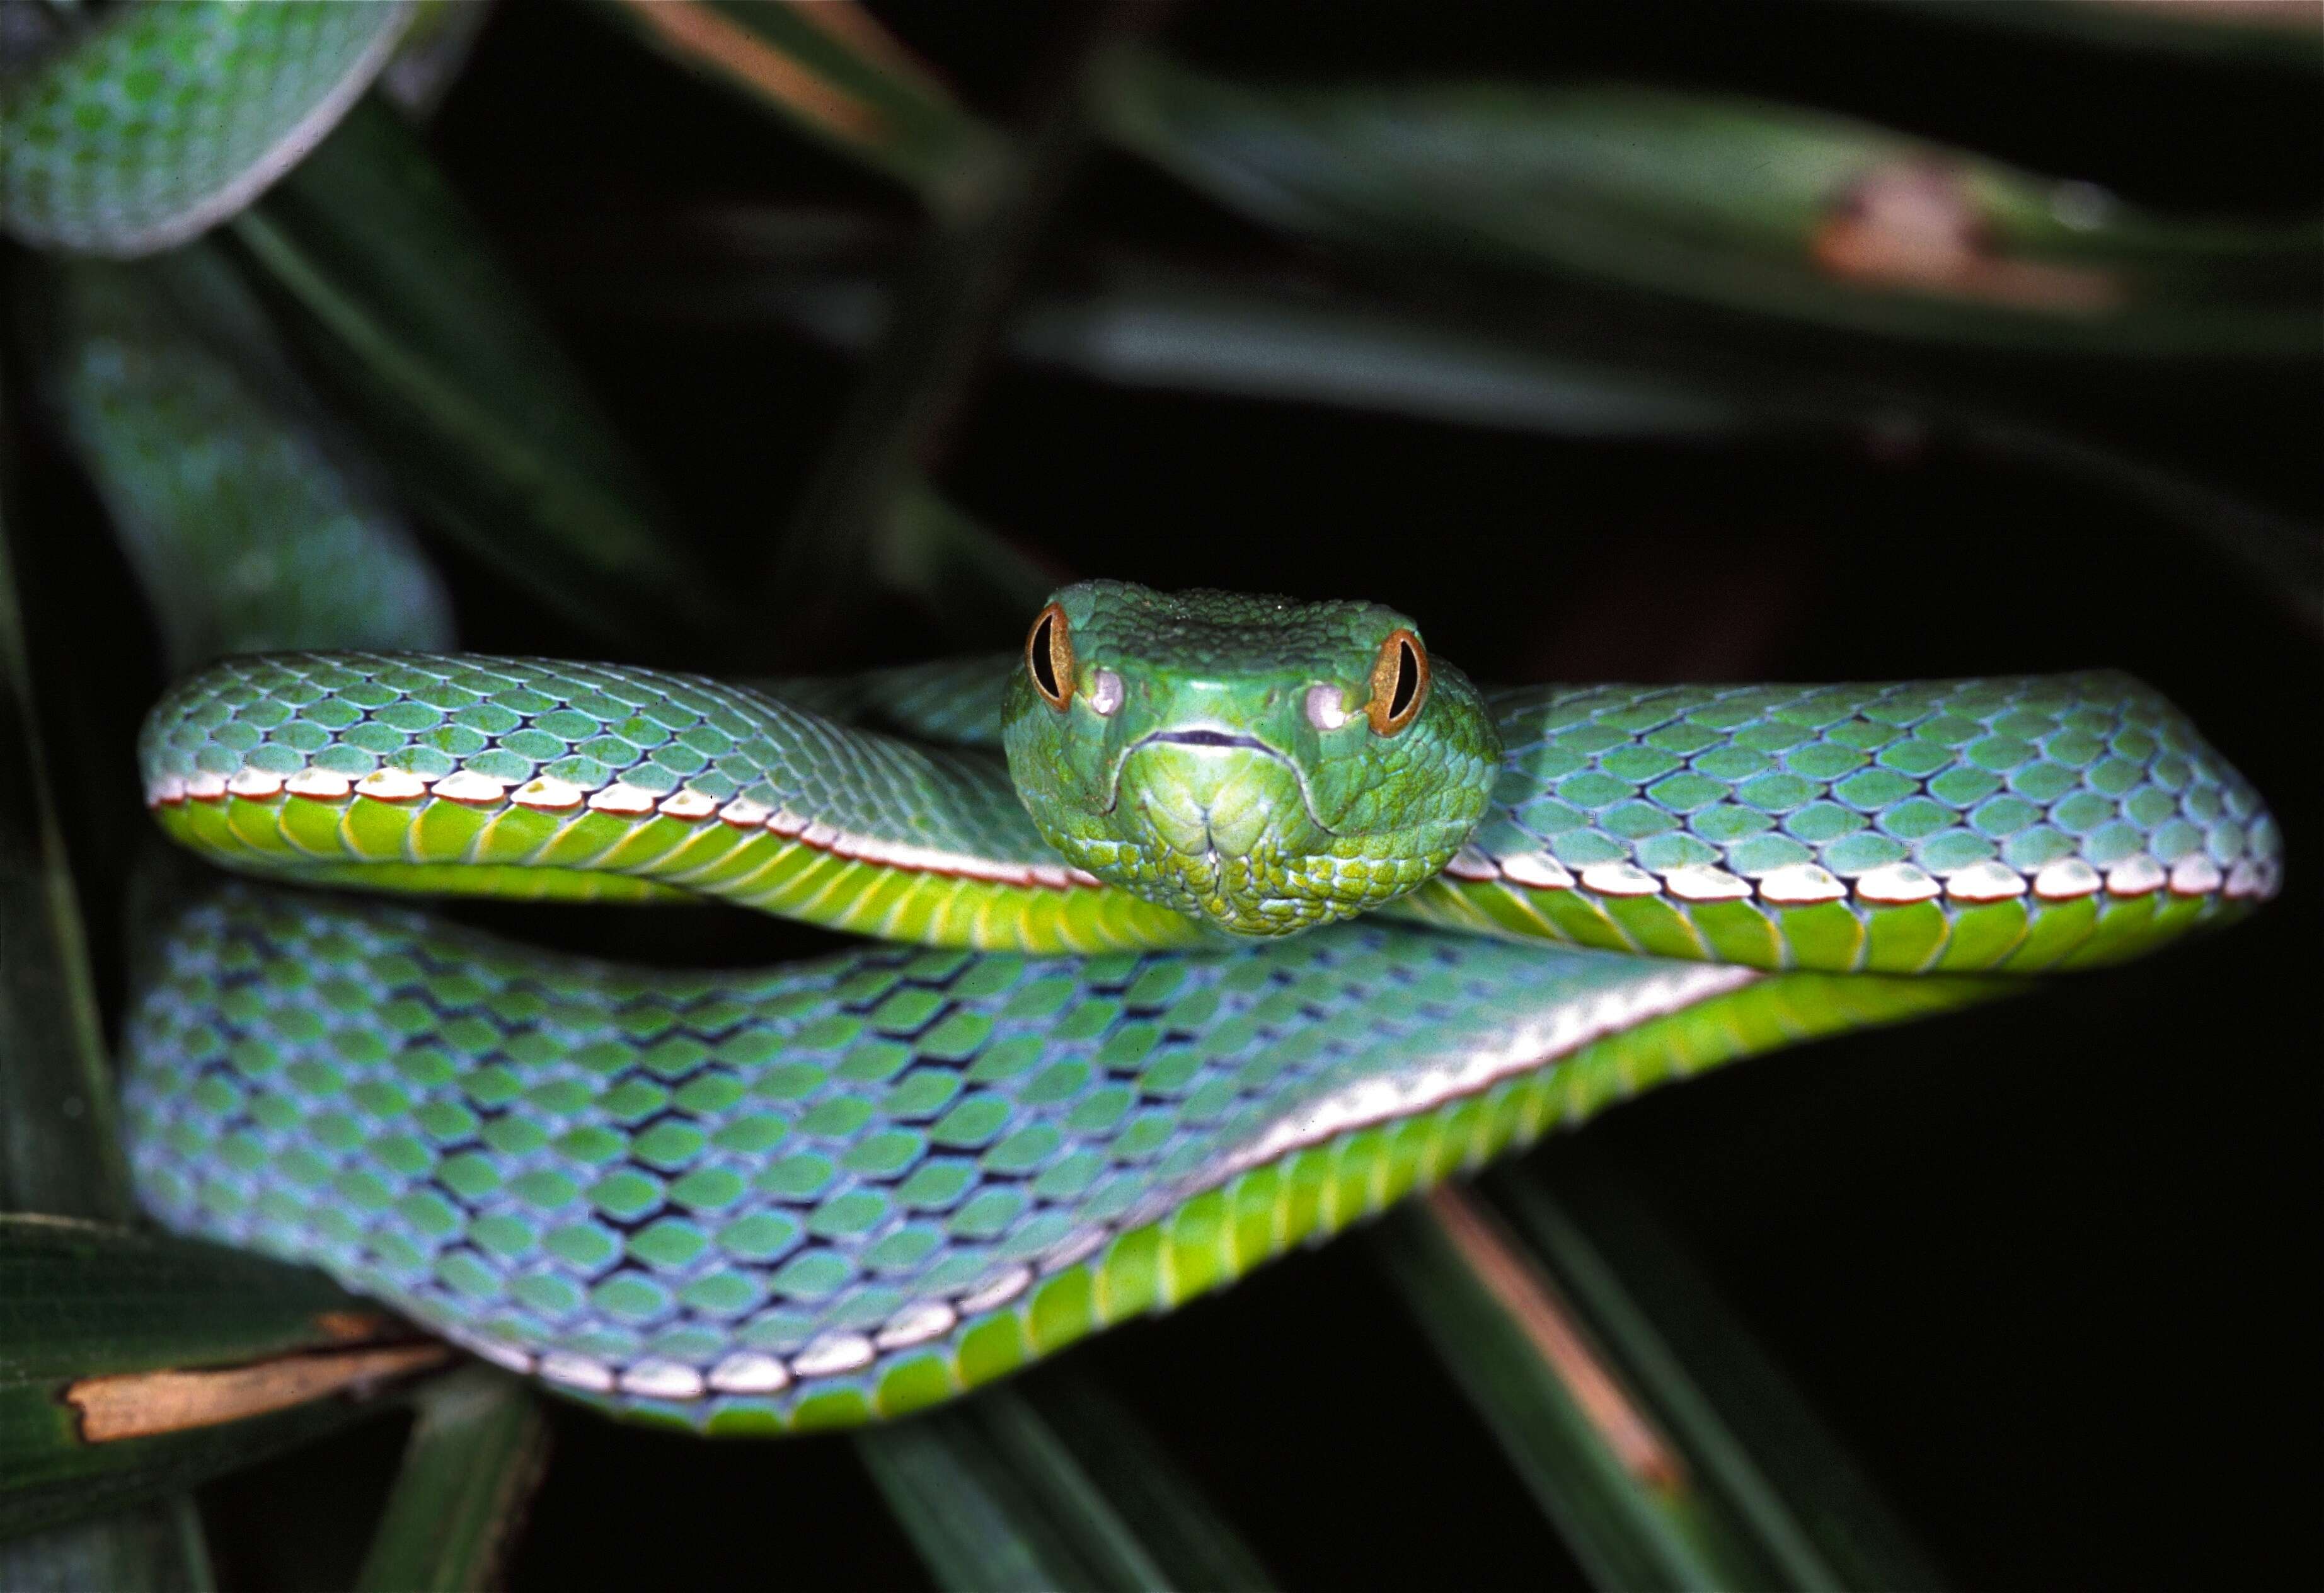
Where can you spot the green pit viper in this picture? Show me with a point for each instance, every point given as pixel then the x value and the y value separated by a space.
pixel 842 1189
pixel 1209 923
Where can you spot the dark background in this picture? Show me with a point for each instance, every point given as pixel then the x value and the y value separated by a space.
pixel 2045 1268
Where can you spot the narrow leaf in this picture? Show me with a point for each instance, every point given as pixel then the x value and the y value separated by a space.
pixel 978 585
pixel 156 1548
pixel 1151 325
pixel 131 1362
pixel 475 1452
pixel 972 1522
pixel 58 1150
pixel 2277 33
pixel 467 397
pixel 249 526
pixel 832 71
pixel 1749 1436
pixel 1054 1488
pixel 1746 207
pixel 1577 1432
pixel 1194 1544
pixel 1666 1449
pixel 1159 327
pixel 968 269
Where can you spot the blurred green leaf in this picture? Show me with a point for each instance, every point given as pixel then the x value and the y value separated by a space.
pixel 999 1493
pixel 1144 325
pixel 58 1150
pixel 831 70
pixel 1763 209
pixel 977 585
pixel 478 1443
pixel 482 420
pixel 1623 1494
pixel 1749 1436
pixel 2281 33
pixel 1147 325
pixel 131 1363
pixel 250 524
pixel 1666 1450
pixel 968 268
pixel 156 1548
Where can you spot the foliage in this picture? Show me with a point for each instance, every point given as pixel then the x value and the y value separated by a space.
pixel 1665 344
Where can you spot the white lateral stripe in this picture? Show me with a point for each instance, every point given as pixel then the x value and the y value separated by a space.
pixel 1078 1249
pixel 2066 879
pixel 832 1353
pixel 1538 870
pixel 577 1371
pixel 748 1371
pixel 1469 863
pixel 662 1379
pixel 917 1324
pixel 1802 885
pixel 1700 882
pixel 744 814
pixel 171 791
pixel 1575 1023
pixel 998 1293
pixel 206 786
pixel 1988 882
pixel 547 794
pixel 321 784
pixel 917 859
pixel 2136 876
pixel 391 785
pixel 253 783
pixel 466 785
pixel 2195 876
pixel 505 1356
pixel 1896 884
pixel 628 801
pixel 689 805
pixel 1619 879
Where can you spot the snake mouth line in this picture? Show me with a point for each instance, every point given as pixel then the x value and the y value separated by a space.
pixel 1207 738
pixel 1224 741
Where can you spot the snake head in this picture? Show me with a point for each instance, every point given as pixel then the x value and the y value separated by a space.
pixel 1258 762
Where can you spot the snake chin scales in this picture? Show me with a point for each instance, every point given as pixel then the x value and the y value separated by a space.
pixel 1222 754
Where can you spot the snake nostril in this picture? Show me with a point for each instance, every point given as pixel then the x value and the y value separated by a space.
pixel 1105 692
pixel 1326 707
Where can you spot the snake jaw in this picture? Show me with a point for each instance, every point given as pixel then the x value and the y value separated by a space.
pixel 1205 742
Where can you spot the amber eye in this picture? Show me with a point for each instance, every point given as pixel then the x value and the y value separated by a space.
pixel 1400 683
pixel 1049 657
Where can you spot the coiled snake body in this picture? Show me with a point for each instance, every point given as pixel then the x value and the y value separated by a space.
pixel 1127 1055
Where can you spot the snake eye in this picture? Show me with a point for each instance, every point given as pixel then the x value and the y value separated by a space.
pixel 1049 657
pixel 1400 683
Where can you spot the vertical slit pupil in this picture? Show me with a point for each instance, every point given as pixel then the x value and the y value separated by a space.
pixel 1045 668
pixel 1407 680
